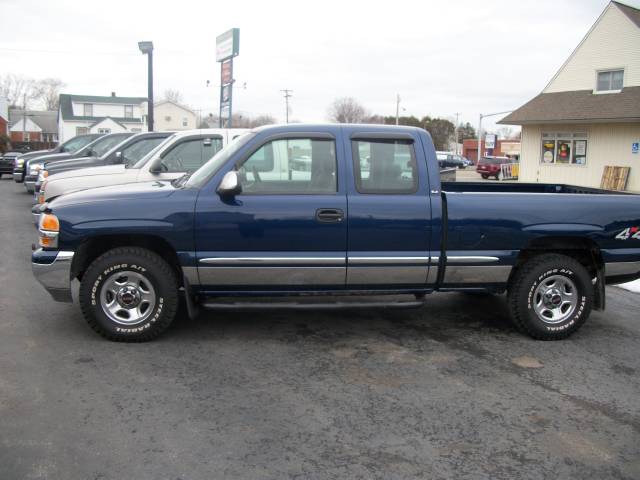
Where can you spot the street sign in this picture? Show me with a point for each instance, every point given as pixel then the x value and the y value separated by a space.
pixel 226 73
pixel 228 44
pixel 490 140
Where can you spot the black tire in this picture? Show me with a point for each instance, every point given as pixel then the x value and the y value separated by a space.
pixel 129 261
pixel 525 292
pixel 485 176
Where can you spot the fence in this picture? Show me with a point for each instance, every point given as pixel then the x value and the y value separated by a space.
pixel 509 171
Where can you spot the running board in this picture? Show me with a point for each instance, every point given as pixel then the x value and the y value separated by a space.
pixel 244 306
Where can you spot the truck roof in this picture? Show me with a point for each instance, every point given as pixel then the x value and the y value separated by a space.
pixel 320 127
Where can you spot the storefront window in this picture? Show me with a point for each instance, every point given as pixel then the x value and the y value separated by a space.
pixel 564 148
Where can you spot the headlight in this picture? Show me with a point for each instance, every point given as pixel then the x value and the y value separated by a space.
pixel 49 228
pixel 19 162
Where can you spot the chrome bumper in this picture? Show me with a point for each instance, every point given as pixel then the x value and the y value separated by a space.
pixel 17 177
pixel 55 276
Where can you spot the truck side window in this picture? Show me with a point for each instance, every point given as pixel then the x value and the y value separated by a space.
pixel 295 166
pixel 384 166
pixel 190 155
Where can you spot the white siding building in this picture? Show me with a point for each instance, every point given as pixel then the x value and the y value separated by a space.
pixel 588 116
pixel 170 116
pixel 80 114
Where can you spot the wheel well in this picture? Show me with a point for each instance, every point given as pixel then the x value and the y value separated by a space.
pixel 92 248
pixel 583 250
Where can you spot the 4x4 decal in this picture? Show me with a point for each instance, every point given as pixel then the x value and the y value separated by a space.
pixel 629 232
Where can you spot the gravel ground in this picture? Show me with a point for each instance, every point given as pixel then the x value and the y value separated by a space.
pixel 449 391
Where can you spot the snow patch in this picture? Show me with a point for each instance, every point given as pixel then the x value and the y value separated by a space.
pixel 631 286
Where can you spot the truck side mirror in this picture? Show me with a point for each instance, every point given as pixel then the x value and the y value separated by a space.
pixel 118 157
pixel 230 185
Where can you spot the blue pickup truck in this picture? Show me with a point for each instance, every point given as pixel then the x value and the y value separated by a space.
pixel 314 216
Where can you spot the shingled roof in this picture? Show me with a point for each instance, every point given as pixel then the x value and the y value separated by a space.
pixel 578 105
pixel 66 106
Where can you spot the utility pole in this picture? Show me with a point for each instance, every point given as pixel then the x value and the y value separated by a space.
pixel 397 108
pixel 456 131
pixel 24 116
pixel 287 94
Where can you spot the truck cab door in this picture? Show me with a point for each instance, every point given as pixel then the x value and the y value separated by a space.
pixel 286 229
pixel 389 218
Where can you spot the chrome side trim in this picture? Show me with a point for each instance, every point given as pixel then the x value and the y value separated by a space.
pixel 432 275
pixel 387 275
pixel 471 259
pixel 387 260
pixel 477 274
pixel 612 269
pixel 274 260
pixel 239 275
pixel 192 275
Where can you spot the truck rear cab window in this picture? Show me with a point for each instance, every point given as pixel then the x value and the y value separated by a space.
pixel 290 166
pixel 384 166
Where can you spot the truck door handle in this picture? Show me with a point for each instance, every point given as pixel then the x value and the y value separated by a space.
pixel 329 215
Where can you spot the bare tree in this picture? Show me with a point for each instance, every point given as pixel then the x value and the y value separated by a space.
pixel 173 95
pixel 49 92
pixel 262 120
pixel 18 90
pixel 507 133
pixel 347 110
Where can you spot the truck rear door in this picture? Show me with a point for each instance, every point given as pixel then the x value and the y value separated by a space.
pixel 389 220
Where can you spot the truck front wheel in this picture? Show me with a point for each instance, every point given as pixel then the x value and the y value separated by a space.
pixel 550 296
pixel 129 294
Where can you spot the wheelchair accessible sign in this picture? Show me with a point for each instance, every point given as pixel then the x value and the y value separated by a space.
pixel 635 148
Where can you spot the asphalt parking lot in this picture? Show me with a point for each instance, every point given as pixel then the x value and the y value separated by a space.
pixel 447 391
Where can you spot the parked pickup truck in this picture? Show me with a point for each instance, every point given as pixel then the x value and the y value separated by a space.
pixel 128 152
pixel 94 149
pixel 184 152
pixel 70 146
pixel 369 216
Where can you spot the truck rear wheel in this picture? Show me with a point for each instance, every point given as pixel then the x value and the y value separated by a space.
pixel 550 297
pixel 129 294
pixel 485 176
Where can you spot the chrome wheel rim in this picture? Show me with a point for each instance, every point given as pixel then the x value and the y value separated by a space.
pixel 127 297
pixel 555 299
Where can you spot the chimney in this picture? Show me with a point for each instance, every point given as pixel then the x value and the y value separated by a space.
pixel 113 94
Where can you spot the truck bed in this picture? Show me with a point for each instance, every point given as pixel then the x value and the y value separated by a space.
pixel 464 187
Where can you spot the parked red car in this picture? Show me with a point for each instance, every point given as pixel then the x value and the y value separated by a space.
pixel 490 166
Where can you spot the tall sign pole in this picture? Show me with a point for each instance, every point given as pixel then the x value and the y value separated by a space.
pixel 227 47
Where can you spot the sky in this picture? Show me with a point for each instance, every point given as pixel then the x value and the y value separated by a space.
pixel 442 58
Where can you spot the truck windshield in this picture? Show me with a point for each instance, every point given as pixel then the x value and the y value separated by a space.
pixel 102 146
pixel 140 163
pixel 76 143
pixel 200 176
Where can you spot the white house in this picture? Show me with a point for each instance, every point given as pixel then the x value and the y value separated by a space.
pixel 169 116
pixel 588 115
pixel 80 114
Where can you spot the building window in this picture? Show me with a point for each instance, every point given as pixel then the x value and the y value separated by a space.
pixel 610 81
pixel 136 130
pixel 564 148
pixel 184 122
pixel 128 111
pixel 82 130
pixel 104 130
pixel 88 110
